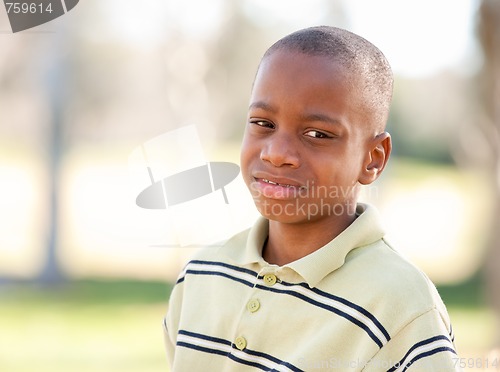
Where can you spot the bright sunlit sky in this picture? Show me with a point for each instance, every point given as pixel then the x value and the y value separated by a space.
pixel 418 37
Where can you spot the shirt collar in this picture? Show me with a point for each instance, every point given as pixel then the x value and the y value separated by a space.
pixel 366 229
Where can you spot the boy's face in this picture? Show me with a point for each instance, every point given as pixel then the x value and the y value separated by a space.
pixel 306 140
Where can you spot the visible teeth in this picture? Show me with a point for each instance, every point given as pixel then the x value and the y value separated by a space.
pixel 275 183
pixel 271 182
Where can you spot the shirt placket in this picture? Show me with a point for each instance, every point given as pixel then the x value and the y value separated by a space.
pixel 256 304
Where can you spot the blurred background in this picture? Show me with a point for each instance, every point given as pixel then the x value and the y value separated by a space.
pixel 85 274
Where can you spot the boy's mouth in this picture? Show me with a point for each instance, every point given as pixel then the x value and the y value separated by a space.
pixel 278 188
pixel 276 180
pixel 277 183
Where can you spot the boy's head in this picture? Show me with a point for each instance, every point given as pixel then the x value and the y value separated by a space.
pixel 316 121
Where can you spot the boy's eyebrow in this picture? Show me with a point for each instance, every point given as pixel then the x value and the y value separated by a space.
pixel 321 117
pixel 262 105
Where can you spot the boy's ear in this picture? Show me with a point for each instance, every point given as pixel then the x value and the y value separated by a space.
pixel 376 158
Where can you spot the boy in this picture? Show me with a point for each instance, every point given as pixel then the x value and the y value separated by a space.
pixel 313 284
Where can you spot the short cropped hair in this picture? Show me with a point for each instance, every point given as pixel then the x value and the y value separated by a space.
pixel 356 54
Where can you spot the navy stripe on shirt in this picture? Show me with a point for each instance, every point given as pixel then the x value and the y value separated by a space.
pixel 219 346
pixel 362 318
pixel 427 348
pixel 329 308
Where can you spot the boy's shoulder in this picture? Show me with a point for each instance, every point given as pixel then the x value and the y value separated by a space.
pixel 384 265
pixel 387 282
pixel 380 264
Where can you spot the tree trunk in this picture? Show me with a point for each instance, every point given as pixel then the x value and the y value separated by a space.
pixel 55 80
pixel 489 35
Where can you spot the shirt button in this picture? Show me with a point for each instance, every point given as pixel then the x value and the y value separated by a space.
pixel 240 343
pixel 253 305
pixel 270 279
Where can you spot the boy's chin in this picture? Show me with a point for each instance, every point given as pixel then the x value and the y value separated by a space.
pixel 291 220
pixel 289 216
pixel 296 212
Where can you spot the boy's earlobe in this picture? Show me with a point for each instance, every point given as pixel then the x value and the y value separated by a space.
pixel 376 158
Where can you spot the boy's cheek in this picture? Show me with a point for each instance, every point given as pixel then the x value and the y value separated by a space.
pixel 246 158
pixel 246 174
pixel 252 186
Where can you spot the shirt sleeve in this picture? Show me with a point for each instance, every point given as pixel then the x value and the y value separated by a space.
pixel 169 346
pixel 424 344
pixel 171 322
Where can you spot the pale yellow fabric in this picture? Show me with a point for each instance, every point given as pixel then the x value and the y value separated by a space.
pixel 355 304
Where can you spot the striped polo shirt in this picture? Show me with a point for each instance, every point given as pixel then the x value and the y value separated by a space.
pixel 354 304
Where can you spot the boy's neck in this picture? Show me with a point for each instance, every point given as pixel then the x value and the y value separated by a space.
pixel 289 242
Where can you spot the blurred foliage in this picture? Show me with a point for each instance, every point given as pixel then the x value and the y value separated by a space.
pixel 467 294
pixel 429 116
pixel 78 326
pixel 87 292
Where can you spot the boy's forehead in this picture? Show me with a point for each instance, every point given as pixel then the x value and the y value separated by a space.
pixel 302 61
pixel 298 64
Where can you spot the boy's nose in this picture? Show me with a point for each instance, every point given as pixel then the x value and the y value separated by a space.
pixel 280 151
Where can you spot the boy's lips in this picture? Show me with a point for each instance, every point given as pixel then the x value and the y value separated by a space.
pixel 275 187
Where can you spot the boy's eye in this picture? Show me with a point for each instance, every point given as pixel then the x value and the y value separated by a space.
pixel 317 134
pixel 262 123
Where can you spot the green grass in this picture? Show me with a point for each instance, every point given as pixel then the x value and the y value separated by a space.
pixel 108 326
pixel 88 292
pixel 83 326
pixel 468 294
